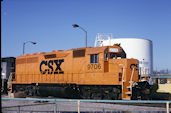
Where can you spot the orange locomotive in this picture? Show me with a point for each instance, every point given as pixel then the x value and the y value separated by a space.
pixel 94 73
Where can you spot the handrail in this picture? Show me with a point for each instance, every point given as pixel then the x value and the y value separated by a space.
pixel 131 79
pixel 88 100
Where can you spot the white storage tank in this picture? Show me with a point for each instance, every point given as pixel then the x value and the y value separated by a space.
pixel 137 48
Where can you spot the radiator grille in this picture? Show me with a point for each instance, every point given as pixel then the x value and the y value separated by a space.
pixel 27 60
pixel 79 53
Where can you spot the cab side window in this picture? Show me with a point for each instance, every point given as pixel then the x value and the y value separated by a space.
pixel 106 56
pixel 94 58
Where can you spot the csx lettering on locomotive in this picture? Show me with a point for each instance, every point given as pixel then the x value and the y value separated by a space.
pixel 50 69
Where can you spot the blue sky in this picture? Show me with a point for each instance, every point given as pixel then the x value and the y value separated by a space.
pixel 49 23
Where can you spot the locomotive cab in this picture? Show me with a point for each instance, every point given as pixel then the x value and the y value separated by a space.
pixel 109 66
pixel 125 70
pixel 115 52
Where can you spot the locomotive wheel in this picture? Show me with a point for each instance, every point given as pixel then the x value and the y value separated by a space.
pixel 30 91
pixel 107 96
pixel 97 96
pixel 101 92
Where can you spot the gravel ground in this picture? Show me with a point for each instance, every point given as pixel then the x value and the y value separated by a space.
pixel 16 106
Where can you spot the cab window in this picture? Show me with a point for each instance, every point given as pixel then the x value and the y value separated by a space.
pixel 106 56
pixel 112 55
pixel 94 58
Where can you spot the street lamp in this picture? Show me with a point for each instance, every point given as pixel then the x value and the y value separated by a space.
pixel 75 26
pixel 25 43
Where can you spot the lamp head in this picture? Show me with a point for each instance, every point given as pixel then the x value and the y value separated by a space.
pixel 33 42
pixel 75 25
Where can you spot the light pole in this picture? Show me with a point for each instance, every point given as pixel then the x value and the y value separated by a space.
pixel 25 43
pixel 75 26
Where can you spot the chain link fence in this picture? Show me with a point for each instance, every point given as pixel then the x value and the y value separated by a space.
pixel 82 106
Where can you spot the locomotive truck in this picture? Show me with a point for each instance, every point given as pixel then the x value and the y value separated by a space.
pixel 88 73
